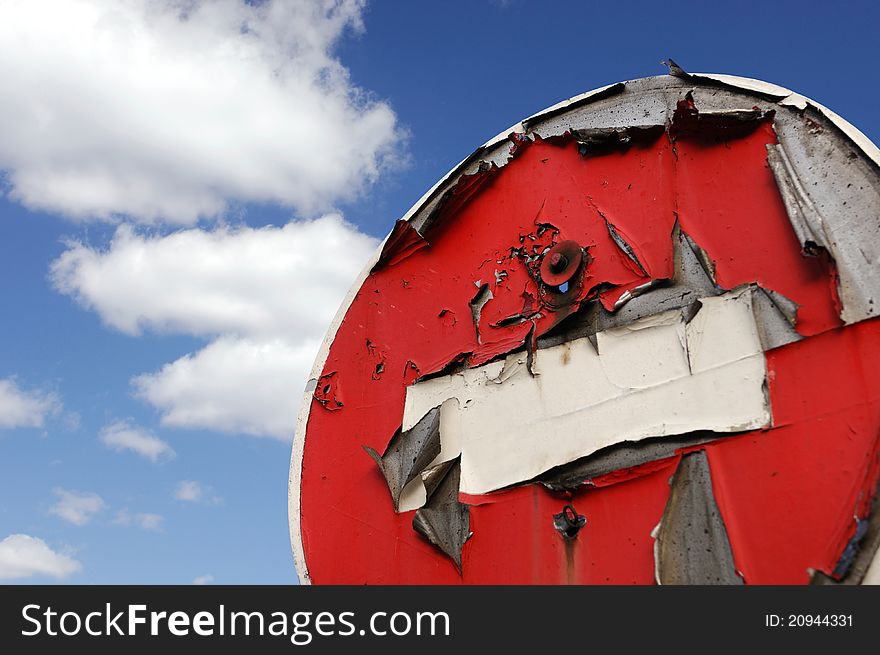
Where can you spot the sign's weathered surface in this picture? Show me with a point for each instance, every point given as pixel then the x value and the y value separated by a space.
pixel 632 339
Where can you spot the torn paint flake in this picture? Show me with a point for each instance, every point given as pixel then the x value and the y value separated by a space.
pixel 703 258
pixel 444 521
pixel 411 372
pixel 602 140
pixel 327 392
pixel 692 545
pixel 624 459
pixel 764 89
pixel 483 295
pixel 456 197
pixel 409 453
pixel 689 122
pixel 804 218
pixel 403 241
pixel 625 247
pixel 775 317
pixel 377 358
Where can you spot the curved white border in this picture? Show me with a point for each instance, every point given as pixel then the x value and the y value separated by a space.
pixel 787 98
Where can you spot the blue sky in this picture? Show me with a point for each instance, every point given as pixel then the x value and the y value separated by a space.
pixel 156 332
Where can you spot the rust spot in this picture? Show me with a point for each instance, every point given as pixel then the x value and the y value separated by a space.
pixel 566 354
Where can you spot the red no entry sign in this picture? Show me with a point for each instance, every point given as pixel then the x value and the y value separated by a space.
pixel 633 339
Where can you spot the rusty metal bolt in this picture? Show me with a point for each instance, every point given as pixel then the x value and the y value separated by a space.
pixel 558 262
pixel 568 522
pixel 561 263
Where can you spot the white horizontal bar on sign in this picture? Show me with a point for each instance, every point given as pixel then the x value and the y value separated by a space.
pixel 652 378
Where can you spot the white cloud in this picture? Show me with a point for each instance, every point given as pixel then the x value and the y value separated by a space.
pixel 232 385
pixel 265 296
pixel 76 507
pixel 22 556
pixel 256 282
pixel 25 409
pixel 124 435
pixel 203 580
pixel 172 109
pixel 143 520
pixel 189 490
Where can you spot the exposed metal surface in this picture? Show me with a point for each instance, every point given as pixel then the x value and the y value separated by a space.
pixel 626 455
pixel 617 118
pixel 833 199
pixel 409 453
pixel 443 520
pixel 692 544
pixel 483 295
pixel 775 318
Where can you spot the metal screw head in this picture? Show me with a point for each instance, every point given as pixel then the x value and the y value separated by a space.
pixel 561 263
pixel 558 262
pixel 568 522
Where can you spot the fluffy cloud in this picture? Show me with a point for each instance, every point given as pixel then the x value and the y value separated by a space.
pixel 263 295
pixel 124 435
pixel 232 385
pixel 203 580
pixel 22 556
pixel 255 282
pixel 173 109
pixel 76 507
pixel 25 409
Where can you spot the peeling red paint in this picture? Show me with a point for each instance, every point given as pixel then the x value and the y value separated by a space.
pixel 411 373
pixel 377 355
pixel 327 391
pixel 731 206
pixel 787 494
pixel 403 241
pixel 633 472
